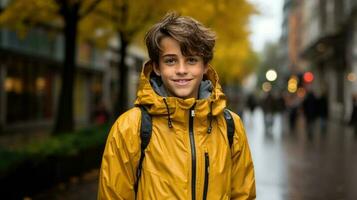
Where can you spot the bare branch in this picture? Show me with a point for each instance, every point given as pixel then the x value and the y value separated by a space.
pixel 62 4
pixel 107 16
pixel 89 9
pixel 138 26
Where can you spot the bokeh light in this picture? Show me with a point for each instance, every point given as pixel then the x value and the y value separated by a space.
pixel 352 77
pixel 301 92
pixel 40 83
pixel 271 75
pixel 266 87
pixel 308 77
pixel 9 84
pixel 292 84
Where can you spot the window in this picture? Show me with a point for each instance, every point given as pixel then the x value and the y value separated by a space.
pixel 29 93
pixel 339 12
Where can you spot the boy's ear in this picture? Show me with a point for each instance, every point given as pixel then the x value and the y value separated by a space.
pixel 206 66
pixel 156 68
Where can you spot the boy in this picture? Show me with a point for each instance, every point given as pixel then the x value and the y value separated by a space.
pixel 188 156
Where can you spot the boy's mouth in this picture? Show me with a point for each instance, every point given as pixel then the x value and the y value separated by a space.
pixel 182 81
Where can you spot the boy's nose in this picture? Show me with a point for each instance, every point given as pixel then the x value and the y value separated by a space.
pixel 181 68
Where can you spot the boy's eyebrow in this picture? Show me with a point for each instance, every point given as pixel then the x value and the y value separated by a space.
pixel 168 55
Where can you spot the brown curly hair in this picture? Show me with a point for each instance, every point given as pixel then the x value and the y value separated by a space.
pixel 193 37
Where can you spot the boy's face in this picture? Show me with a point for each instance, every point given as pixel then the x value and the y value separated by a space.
pixel 181 75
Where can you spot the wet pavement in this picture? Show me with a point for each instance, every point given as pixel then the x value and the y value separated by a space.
pixel 291 165
pixel 288 165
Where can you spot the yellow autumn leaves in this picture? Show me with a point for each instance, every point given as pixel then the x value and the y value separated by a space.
pixel 233 59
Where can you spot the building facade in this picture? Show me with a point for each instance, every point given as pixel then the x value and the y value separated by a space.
pixel 30 68
pixel 290 40
pixel 328 43
pixel 30 78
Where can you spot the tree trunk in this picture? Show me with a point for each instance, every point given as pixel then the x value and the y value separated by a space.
pixel 122 101
pixel 64 119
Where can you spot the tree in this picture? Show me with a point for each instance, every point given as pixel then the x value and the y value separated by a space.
pixel 128 21
pixel 234 57
pixel 125 20
pixel 63 13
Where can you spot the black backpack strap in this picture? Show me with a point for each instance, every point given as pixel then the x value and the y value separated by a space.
pixel 230 126
pixel 145 135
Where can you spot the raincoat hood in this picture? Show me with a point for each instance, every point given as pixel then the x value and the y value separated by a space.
pixel 151 93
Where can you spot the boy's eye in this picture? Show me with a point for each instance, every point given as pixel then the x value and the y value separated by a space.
pixel 169 61
pixel 192 60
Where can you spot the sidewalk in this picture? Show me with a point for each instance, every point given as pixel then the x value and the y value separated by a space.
pixel 18 139
pixel 78 188
pixel 81 187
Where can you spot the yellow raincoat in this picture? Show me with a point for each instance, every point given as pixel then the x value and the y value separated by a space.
pixel 181 162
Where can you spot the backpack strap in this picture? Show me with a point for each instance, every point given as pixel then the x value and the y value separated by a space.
pixel 145 135
pixel 230 126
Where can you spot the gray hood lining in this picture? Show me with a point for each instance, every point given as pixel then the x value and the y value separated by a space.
pixel 205 90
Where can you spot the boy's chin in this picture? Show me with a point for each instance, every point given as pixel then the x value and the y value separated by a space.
pixel 185 96
pixel 182 93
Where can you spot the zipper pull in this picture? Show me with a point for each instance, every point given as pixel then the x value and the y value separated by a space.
pixel 206 158
pixel 192 113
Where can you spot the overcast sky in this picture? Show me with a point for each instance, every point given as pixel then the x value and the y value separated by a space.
pixel 266 26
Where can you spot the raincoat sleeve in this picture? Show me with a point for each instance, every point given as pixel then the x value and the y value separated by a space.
pixel 243 179
pixel 120 159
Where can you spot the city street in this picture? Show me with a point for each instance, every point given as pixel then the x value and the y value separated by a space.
pixel 69 68
pixel 289 166
pixel 292 166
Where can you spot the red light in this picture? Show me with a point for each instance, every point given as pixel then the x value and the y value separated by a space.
pixel 308 77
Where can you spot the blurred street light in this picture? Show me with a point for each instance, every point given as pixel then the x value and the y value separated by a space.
pixel 292 84
pixel 40 83
pixel 301 92
pixel 352 77
pixel 9 84
pixel 266 87
pixel 14 85
pixel 308 77
pixel 271 75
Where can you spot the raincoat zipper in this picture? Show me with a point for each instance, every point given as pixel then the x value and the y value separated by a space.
pixel 193 152
pixel 205 187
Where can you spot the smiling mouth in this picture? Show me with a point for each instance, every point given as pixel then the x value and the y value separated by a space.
pixel 182 81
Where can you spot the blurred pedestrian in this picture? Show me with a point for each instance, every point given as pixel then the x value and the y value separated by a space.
pixel 251 102
pixel 323 111
pixel 279 102
pixel 240 105
pixel 292 103
pixel 189 155
pixel 269 107
pixel 101 114
pixel 310 111
pixel 353 119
